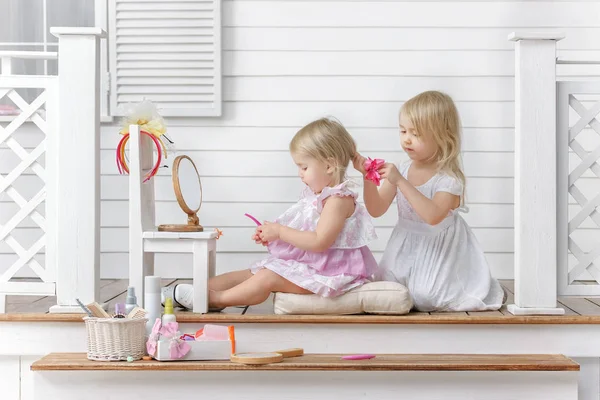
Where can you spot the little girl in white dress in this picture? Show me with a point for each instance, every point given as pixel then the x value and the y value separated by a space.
pixel 432 250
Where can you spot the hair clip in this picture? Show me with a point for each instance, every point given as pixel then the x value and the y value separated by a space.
pixel 253 219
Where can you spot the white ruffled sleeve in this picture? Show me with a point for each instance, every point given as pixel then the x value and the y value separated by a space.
pixel 450 184
pixel 340 190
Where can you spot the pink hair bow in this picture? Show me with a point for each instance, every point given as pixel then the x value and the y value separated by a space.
pixel 177 347
pixel 169 329
pixel 371 166
pixel 152 342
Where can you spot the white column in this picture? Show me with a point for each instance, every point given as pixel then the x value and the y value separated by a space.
pixel 535 174
pixel 6 65
pixel 78 168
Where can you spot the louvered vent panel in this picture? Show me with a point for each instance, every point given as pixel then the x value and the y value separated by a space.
pixel 168 52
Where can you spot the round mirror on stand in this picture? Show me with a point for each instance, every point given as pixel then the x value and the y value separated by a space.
pixel 188 191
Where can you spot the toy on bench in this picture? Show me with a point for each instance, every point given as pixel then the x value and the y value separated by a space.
pixel 265 358
pixel 213 342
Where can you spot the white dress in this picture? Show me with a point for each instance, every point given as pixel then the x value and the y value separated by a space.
pixel 443 266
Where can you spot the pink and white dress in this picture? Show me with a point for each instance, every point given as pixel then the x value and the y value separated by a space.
pixel 347 264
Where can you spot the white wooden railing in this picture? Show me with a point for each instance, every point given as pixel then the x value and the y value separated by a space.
pixel 578 107
pixel 71 175
pixel 545 176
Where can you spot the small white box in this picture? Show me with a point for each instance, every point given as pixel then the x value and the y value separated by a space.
pixel 200 351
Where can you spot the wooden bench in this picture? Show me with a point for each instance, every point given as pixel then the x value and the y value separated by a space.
pixel 422 376
pixel 326 362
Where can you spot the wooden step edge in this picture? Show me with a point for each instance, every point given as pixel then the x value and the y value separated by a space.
pixel 326 362
pixel 439 319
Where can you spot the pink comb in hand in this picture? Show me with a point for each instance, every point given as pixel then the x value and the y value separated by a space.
pixel 371 166
pixel 253 219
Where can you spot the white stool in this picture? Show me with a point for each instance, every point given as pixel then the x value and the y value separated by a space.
pixel 202 246
pixel 144 238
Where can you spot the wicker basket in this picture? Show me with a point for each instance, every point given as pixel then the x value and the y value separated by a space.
pixel 115 339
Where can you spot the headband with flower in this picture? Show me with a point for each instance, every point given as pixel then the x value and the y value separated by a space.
pixel 152 125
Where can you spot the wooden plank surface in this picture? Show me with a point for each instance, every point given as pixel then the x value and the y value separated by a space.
pixel 114 290
pixel 510 297
pixel 580 305
pixel 329 362
pixel 417 318
pixel 489 313
pixel 448 313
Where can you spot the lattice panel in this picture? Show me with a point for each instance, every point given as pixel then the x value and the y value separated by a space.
pixel 28 163
pixel 579 173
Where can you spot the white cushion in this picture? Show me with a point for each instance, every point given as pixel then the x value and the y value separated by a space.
pixel 372 298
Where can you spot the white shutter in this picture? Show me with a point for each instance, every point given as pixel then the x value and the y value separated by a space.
pixel 168 52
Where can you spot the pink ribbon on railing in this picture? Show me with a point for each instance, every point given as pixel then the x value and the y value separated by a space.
pixel 371 166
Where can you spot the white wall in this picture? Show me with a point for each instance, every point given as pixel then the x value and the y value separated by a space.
pixel 288 62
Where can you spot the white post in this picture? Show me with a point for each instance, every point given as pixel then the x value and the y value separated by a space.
pixel 141 209
pixel 535 174
pixel 6 65
pixel 78 168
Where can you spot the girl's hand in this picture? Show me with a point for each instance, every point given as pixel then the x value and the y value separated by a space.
pixel 390 172
pixel 359 163
pixel 269 232
pixel 257 239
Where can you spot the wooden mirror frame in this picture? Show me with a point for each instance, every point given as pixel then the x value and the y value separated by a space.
pixel 193 224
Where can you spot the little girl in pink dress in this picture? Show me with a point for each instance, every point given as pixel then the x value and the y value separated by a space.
pixel 348 263
pixel 319 245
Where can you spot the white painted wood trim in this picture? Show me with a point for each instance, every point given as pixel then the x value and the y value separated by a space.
pixel 180 235
pixel 28 288
pixel 535 177
pixel 516 310
pixel 24 81
pixel 78 169
pixel 42 55
pixel 218 77
pixel 567 140
pixel 112 57
pixel 564 60
pixel 6 66
pixel 517 36
pixel 10 371
pixel 35 338
pixel 101 20
pixel 169 245
pixel 201 271
pixel 562 187
pixel 136 242
pixel 588 386
pixel 580 290
pixel 78 31
pixel 284 385
pixel 52 195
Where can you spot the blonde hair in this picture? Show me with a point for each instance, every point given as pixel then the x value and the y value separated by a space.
pixel 327 141
pixel 434 115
